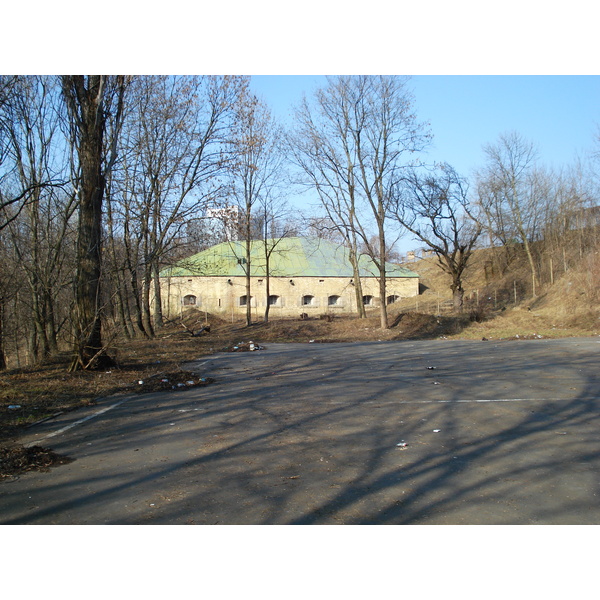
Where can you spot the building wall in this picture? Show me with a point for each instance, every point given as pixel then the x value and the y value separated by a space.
pixel 221 295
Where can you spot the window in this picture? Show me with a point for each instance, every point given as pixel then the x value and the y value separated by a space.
pixel 244 300
pixel 367 300
pixel 273 300
pixel 189 300
pixel 392 299
pixel 333 300
pixel 307 300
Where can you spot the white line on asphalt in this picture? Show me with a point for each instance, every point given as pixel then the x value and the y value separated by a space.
pixel 493 400
pixel 70 426
pixel 473 401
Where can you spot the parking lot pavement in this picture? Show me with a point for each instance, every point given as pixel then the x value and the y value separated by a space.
pixel 427 432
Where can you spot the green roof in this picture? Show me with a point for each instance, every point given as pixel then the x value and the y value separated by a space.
pixel 291 257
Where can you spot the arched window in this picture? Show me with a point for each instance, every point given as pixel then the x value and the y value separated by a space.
pixel 333 300
pixel 392 299
pixel 273 300
pixel 189 300
pixel 367 300
pixel 244 300
pixel 307 300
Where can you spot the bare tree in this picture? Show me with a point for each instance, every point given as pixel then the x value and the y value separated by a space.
pixel 353 143
pixel 5 290
pixel 38 236
pixel 435 208
pixel 510 195
pixel 175 150
pixel 275 228
pixel 92 101
pixel 256 171
pixel 323 148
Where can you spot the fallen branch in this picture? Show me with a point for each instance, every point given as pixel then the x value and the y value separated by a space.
pixel 205 329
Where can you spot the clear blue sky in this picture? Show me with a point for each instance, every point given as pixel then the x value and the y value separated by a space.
pixel 559 114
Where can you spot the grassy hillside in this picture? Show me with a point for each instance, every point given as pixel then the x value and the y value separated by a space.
pixel 501 305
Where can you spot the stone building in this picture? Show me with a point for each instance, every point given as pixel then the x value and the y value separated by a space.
pixel 306 276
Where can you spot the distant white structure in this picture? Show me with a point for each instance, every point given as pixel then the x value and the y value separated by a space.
pixel 223 224
pixel 413 255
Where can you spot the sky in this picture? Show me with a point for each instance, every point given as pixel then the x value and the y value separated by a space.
pixel 559 114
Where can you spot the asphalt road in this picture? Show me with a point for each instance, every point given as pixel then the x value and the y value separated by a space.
pixel 494 433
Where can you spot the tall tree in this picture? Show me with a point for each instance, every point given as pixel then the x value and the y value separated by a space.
pixel 92 101
pixel 360 133
pixel 323 148
pixel 255 174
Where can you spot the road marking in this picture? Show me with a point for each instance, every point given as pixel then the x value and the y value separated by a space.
pixel 482 400
pixel 79 422
pixel 473 401
pixel 476 400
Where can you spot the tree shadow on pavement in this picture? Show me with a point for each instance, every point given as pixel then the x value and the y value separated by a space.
pixel 315 441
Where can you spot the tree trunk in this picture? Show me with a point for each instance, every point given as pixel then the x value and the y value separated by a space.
pixel 42 347
pixel 531 261
pixel 358 293
pixel 51 332
pixel 158 314
pixel 123 310
pixel 87 284
pixel 146 313
pixel 267 281
pixel 267 294
pixel 458 294
pixel 138 302
pixel 86 105
pixel 2 354
pixel 122 320
pixel 382 278
pixel 248 306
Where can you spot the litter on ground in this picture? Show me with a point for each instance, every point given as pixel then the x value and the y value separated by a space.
pixel 243 347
